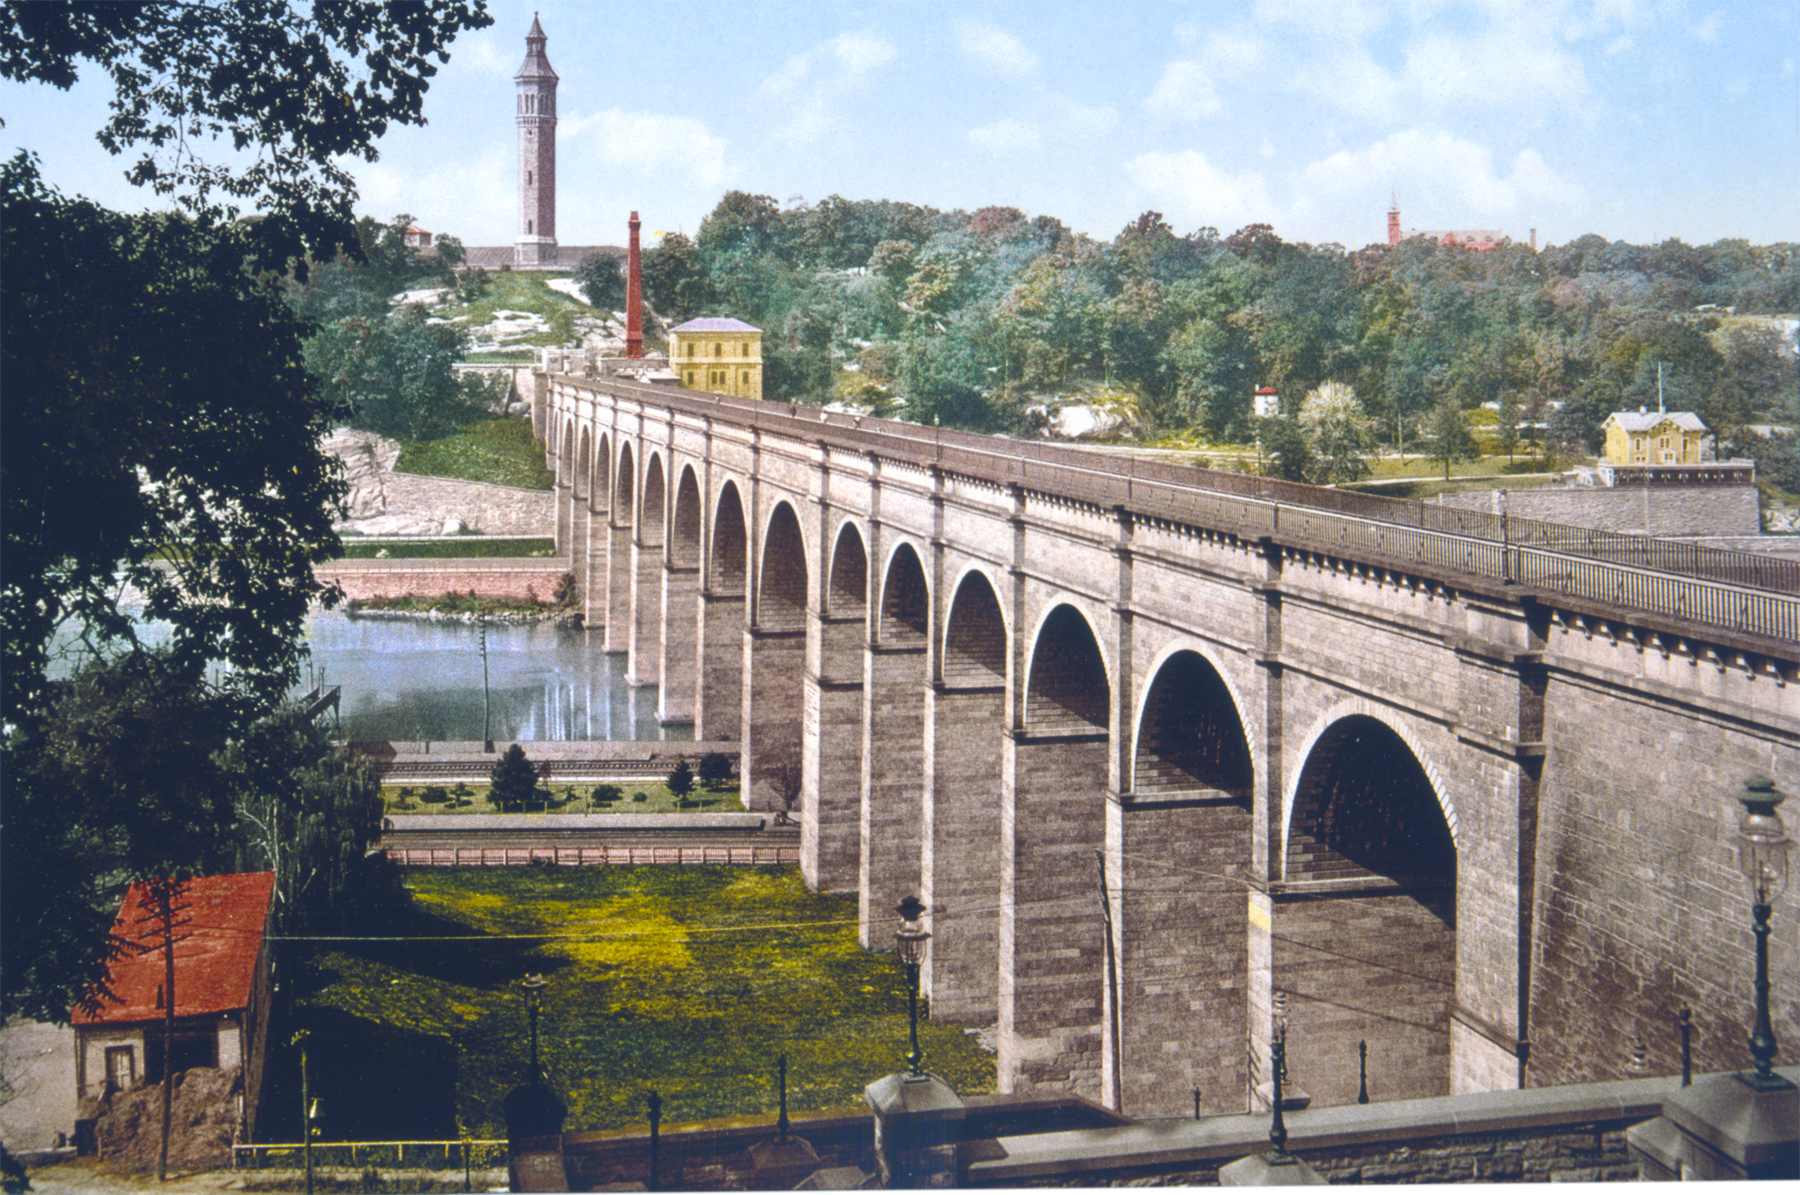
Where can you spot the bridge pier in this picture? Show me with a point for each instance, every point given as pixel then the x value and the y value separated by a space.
pixel 1175 864
pixel 1051 951
pixel 678 651
pixel 891 785
pixel 643 663
pixel 959 845
pixel 831 791
pixel 774 671
pixel 619 575
pixel 719 673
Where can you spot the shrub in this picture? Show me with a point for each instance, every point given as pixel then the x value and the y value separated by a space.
pixel 640 796
pixel 433 795
pixel 681 780
pixel 606 794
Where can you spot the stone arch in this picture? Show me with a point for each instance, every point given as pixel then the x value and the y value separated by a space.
pixel 601 486
pixel 625 491
pixel 848 588
pixel 781 584
pixel 650 522
pixel 905 600
pixel 729 565
pixel 684 529
pixel 1189 731
pixel 1179 842
pixel 1357 706
pixel 1067 689
pixel 583 465
pixel 975 633
pixel 1370 953
pixel 566 456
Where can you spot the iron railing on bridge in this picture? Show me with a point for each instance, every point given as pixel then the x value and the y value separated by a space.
pixel 1744 591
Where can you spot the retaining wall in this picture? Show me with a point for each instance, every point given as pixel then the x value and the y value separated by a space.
pixel 1679 511
pixel 511 577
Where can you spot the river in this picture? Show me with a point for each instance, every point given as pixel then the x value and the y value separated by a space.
pixel 411 680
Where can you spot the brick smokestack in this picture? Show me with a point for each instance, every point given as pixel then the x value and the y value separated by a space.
pixel 634 294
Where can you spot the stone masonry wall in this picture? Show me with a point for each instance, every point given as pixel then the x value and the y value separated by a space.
pixel 499 578
pixel 1640 510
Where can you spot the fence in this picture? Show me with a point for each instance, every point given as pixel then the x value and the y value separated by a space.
pixel 463 1154
pixel 1705 585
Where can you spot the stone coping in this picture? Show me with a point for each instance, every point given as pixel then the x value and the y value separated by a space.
pixel 625 823
pixel 1175 1143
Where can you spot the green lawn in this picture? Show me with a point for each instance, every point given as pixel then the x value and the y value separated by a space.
pixel 689 981
pixel 498 451
pixel 573 798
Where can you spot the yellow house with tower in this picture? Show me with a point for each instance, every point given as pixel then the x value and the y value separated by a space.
pixel 719 356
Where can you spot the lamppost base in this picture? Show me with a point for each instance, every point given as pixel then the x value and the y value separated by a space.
pixel 1728 1130
pixel 918 1125
pixel 1270 1169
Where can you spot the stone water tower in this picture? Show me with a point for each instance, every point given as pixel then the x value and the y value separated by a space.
pixel 536 246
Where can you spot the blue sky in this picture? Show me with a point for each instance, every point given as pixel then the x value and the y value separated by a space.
pixel 1635 119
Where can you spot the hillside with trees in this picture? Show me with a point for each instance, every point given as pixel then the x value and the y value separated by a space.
pixel 988 320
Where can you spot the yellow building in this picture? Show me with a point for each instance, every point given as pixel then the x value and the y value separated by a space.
pixel 719 356
pixel 1663 438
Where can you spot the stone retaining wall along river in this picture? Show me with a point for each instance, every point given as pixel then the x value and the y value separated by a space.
pixel 500 577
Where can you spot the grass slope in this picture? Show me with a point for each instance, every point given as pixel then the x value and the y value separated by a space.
pixel 497 451
pixel 685 980
pixel 574 798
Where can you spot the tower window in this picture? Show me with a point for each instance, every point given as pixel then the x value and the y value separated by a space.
pixel 528 228
pixel 528 178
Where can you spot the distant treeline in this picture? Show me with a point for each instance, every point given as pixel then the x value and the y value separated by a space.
pixel 975 319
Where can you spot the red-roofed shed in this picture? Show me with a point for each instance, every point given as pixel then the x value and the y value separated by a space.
pixel 222 988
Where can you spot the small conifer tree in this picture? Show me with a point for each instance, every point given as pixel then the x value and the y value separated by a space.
pixel 681 780
pixel 513 780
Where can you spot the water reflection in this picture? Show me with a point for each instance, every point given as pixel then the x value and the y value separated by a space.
pixel 423 681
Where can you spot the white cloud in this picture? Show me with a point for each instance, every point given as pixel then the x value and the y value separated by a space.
pixel 648 142
pixel 1707 30
pixel 809 87
pixel 1514 66
pixel 995 48
pixel 1354 83
pixel 1006 136
pixel 1619 45
pixel 1193 191
pixel 1443 181
pixel 1185 92
pixel 488 54
pixel 1074 120
pixel 1344 19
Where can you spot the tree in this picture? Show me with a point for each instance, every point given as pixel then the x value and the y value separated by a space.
pixel 681 779
pixel 601 281
pixel 784 777
pixel 392 374
pixel 305 86
pixel 1285 450
pixel 1338 433
pixel 115 780
pixel 160 434
pixel 512 781
pixel 674 280
pixel 1447 429
pixel 715 769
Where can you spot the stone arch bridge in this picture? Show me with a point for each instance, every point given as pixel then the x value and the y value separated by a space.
pixel 1169 751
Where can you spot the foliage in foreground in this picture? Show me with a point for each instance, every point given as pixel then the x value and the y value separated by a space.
pixel 686 980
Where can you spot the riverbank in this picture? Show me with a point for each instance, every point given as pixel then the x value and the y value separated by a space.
pixel 498 612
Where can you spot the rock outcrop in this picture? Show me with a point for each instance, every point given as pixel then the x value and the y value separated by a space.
pixel 202 1129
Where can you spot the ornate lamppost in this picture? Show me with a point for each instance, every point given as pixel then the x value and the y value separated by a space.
pixel 910 941
pixel 1763 857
